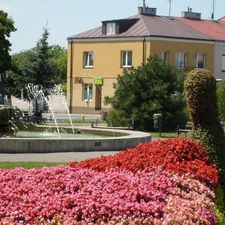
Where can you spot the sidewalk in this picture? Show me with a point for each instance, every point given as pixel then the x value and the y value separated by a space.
pixel 65 116
pixel 53 157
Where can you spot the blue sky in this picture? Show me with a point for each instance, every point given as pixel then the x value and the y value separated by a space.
pixel 65 18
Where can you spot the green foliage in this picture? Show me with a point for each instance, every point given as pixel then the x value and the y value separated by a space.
pixel 206 139
pixel 59 55
pixel 220 205
pixel 200 89
pixel 43 65
pixel 117 118
pixel 154 87
pixel 21 74
pixel 6 27
pixel 220 99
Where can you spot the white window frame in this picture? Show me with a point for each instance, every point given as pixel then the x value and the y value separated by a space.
pixel 181 60
pixel 165 56
pixel 88 59
pixel 126 58
pixel 110 28
pixel 87 92
pixel 223 63
pixel 197 60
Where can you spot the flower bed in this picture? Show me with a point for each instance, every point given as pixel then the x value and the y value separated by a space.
pixel 86 196
pixel 137 186
pixel 175 155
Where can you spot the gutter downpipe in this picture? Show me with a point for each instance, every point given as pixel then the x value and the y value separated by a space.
pixel 143 52
pixel 71 75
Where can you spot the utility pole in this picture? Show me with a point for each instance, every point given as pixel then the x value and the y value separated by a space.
pixel 213 10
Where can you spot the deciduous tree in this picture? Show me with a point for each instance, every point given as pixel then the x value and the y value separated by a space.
pixel 6 28
pixel 154 87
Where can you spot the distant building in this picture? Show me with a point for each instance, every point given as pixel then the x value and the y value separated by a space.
pixel 97 56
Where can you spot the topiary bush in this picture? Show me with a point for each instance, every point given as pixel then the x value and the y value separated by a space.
pixel 200 92
pixel 220 90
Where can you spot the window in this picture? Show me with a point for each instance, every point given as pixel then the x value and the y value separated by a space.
pixel 126 58
pixel 87 92
pixel 200 61
pixel 223 63
pixel 110 28
pixel 164 56
pixel 88 59
pixel 181 60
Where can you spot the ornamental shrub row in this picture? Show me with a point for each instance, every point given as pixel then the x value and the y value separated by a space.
pixel 176 155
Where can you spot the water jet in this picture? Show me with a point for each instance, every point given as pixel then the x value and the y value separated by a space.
pixel 20 136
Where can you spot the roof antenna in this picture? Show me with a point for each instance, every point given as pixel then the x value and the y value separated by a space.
pixel 46 25
pixel 170 2
pixel 213 11
pixel 144 6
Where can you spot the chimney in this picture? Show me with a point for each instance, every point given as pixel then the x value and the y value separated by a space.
pixel 191 15
pixel 147 11
pixel 144 7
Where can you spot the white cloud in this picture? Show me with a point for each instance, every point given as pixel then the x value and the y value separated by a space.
pixel 7 7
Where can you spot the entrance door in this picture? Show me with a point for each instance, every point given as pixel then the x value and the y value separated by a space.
pixel 98 97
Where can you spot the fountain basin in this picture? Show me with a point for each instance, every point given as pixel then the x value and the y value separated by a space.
pixel 129 139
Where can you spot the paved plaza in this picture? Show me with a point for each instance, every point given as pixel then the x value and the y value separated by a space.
pixel 52 157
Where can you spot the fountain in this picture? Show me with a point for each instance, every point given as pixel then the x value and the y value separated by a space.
pixel 20 136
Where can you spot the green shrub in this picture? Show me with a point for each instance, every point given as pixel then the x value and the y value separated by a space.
pixel 153 87
pixel 220 205
pixel 200 91
pixel 117 118
pixel 220 99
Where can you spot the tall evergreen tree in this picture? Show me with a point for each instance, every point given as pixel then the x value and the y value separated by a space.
pixel 43 65
pixel 36 66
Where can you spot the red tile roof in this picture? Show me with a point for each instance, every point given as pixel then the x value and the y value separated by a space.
pixel 213 29
pixel 164 26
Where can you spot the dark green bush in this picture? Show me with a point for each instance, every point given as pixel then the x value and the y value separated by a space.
pixel 153 87
pixel 200 91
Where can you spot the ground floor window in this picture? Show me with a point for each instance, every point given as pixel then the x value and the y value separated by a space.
pixel 87 92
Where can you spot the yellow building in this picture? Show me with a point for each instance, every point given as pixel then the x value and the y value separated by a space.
pixel 96 57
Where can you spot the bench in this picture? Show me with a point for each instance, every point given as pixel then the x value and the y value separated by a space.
pixel 185 130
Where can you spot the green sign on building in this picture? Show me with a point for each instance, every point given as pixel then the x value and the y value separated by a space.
pixel 98 80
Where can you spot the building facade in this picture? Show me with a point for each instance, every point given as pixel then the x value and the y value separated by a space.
pixel 96 57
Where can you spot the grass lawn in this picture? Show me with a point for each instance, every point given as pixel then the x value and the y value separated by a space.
pixel 165 134
pixel 29 165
